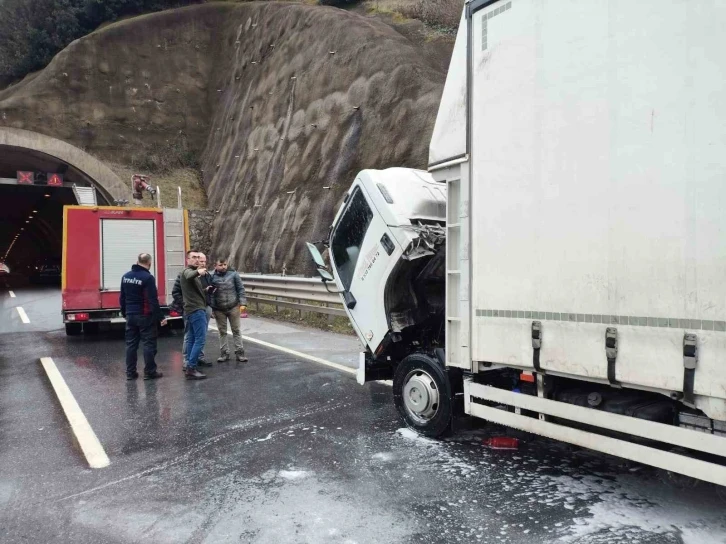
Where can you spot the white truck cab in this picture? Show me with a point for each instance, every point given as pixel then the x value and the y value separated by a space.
pixel 386 250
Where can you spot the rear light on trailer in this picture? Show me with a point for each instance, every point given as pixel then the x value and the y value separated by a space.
pixel 527 377
pixel 78 317
pixel 173 313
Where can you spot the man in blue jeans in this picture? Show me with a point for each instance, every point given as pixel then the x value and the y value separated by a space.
pixel 139 302
pixel 178 306
pixel 195 308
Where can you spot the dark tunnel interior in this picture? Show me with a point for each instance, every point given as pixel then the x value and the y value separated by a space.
pixel 31 215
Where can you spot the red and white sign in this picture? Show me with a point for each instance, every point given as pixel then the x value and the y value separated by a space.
pixel 25 178
pixel 55 180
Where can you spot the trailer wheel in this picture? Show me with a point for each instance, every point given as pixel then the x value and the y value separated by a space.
pixel 421 393
pixel 73 329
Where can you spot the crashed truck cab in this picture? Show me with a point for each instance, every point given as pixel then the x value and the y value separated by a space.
pixel 387 252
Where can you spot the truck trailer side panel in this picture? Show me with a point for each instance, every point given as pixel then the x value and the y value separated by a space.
pixel 597 188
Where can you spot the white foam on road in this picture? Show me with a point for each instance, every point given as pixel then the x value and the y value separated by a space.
pixel 23 316
pixel 293 474
pixel 91 446
pixel 410 434
pixel 629 507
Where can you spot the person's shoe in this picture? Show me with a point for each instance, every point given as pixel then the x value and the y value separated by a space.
pixel 204 363
pixel 184 366
pixel 133 376
pixel 194 374
pixel 241 357
pixel 223 358
pixel 153 376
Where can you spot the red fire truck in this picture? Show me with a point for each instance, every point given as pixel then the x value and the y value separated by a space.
pixel 100 243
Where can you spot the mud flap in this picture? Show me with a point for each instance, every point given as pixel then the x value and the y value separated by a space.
pixel 370 370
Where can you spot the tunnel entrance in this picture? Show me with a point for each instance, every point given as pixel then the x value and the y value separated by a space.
pixel 31 214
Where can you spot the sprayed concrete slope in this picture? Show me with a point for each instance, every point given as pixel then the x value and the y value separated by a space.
pixel 283 103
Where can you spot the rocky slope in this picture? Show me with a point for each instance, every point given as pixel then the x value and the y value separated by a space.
pixel 283 103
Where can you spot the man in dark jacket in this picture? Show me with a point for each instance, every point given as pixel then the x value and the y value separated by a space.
pixel 228 301
pixel 139 302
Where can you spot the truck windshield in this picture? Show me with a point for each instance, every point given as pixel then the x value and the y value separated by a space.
pixel 348 236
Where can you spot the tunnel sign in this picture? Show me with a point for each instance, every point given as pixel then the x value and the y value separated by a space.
pixel 25 177
pixel 55 180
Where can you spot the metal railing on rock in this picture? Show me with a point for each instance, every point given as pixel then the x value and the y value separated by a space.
pixel 296 292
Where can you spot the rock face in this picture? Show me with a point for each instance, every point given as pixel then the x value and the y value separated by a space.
pixel 135 88
pixel 283 102
pixel 200 232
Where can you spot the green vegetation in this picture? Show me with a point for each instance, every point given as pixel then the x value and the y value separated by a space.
pixel 33 31
pixel 323 322
pixel 442 16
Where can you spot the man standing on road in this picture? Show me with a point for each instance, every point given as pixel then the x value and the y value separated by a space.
pixel 178 306
pixel 228 301
pixel 208 288
pixel 139 302
pixel 195 308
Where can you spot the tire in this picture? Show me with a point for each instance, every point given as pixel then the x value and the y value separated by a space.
pixel 73 329
pixel 422 395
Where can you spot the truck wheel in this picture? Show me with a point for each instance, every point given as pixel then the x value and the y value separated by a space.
pixel 421 393
pixel 73 329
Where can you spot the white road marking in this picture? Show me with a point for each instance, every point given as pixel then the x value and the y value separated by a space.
pixel 300 354
pixel 312 358
pixel 23 315
pixel 12 295
pixel 92 448
pixel 289 351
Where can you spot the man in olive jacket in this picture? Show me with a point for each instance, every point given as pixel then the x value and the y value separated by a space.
pixel 228 301
pixel 195 308
pixel 178 306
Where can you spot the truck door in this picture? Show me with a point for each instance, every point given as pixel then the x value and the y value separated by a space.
pixel 121 242
pixel 361 248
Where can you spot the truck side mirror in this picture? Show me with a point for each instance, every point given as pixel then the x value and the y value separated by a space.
pixel 319 263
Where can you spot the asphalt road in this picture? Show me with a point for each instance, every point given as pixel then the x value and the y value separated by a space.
pixel 285 450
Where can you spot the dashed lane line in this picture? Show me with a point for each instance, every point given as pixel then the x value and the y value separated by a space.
pixel 91 446
pixel 23 315
pixel 12 294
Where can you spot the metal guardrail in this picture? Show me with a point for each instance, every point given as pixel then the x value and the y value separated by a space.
pixel 292 292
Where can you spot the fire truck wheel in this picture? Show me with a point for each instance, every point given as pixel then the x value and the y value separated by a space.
pixel 421 393
pixel 73 329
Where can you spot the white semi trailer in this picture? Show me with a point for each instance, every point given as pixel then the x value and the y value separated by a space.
pixel 561 267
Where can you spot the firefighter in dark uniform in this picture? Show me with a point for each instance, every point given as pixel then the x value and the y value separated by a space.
pixel 140 306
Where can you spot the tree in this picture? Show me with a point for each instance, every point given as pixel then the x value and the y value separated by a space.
pixel 33 31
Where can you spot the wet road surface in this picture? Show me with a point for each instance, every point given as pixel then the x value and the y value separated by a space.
pixel 283 450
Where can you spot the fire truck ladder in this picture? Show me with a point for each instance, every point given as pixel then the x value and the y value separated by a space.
pixel 174 247
pixel 86 196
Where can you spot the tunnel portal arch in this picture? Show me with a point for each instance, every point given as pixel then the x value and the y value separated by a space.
pixel 106 182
